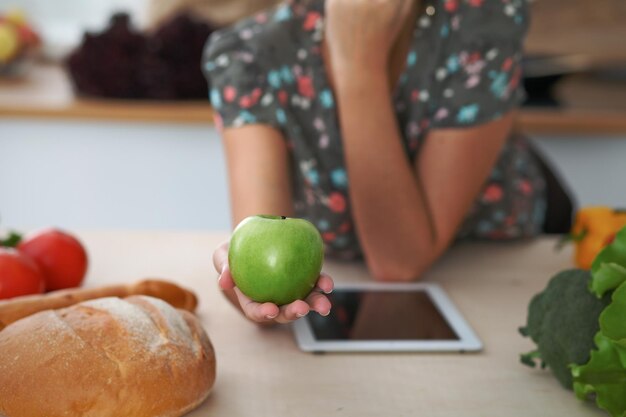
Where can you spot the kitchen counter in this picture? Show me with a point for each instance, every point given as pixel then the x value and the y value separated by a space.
pixel 263 373
pixel 47 93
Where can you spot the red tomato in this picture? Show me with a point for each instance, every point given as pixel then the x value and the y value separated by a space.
pixel 19 275
pixel 60 256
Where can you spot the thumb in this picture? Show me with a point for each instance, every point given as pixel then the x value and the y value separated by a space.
pixel 225 280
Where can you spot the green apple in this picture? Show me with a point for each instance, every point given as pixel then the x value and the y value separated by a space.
pixel 275 259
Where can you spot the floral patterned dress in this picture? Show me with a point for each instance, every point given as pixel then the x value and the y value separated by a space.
pixel 463 69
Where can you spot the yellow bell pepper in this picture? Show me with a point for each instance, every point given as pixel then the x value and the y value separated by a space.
pixel 593 229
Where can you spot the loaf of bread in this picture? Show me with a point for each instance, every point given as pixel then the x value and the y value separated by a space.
pixel 19 307
pixel 136 357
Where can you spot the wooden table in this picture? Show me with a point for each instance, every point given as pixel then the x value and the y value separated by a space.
pixel 262 372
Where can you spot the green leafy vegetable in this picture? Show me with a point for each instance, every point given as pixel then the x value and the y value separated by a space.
pixel 579 325
pixel 609 267
pixel 562 321
pixel 613 318
pixel 11 241
pixel 604 375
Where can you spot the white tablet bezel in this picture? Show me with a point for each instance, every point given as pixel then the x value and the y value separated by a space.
pixel 467 342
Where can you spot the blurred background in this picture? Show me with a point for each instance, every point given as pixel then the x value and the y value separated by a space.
pixel 104 121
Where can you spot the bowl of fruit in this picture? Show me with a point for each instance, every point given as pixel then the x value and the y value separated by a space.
pixel 19 44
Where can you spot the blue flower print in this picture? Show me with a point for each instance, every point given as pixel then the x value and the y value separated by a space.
pixel 339 178
pixel 282 13
pixel 313 176
pixel 281 116
pixel 445 31
pixel 484 227
pixel 247 117
pixel 326 98
pixel 411 59
pixel 499 83
pixel 287 75
pixel 209 66
pixel 453 64
pixel 216 98
pixel 467 114
pixel 341 241
pixel 323 225
pixel 273 78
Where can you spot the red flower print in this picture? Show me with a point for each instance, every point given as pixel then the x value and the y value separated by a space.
pixel 245 102
pixel 345 227
pixel 515 79
pixel 473 58
pixel 305 87
pixel 415 95
pixel 310 22
pixel 283 97
pixel 329 236
pixel 248 101
pixel 493 193
pixel 219 123
pixel 337 202
pixel 256 94
pixel 476 3
pixel 507 64
pixel 451 5
pixel 230 93
pixel 525 187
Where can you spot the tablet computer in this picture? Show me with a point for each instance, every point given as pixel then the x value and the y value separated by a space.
pixel 378 317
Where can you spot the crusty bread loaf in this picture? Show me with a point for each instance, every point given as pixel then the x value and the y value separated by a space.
pixel 19 307
pixel 105 357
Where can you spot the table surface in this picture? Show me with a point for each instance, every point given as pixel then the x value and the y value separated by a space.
pixel 261 372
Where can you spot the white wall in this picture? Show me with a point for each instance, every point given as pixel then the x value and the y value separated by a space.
pixel 146 176
pixel 113 175
pixel 595 167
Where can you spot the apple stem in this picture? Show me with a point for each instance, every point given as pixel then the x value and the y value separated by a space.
pixel 12 240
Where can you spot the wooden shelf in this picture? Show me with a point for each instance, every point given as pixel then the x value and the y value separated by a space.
pixel 47 93
pixel 572 122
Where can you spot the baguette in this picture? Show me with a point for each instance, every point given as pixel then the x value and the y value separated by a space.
pixel 106 357
pixel 20 307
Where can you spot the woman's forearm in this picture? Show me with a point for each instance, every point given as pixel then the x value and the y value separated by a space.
pixel 391 213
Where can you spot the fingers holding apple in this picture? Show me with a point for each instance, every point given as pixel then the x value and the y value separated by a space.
pixel 269 312
pixel 275 259
pixel 273 263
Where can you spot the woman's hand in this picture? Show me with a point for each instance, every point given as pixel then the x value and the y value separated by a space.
pixel 269 312
pixel 361 33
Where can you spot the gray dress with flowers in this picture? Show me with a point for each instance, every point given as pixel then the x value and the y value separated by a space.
pixel 463 70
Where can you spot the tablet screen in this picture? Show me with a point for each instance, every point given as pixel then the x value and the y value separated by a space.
pixel 381 315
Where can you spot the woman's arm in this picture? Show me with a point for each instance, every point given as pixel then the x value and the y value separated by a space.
pixel 258 173
pixel 405 215
pixel 259 180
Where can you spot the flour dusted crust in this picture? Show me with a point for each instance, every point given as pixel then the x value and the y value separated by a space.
pixel 105 357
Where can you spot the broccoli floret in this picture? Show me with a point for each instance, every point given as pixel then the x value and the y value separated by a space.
pixel 562 321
